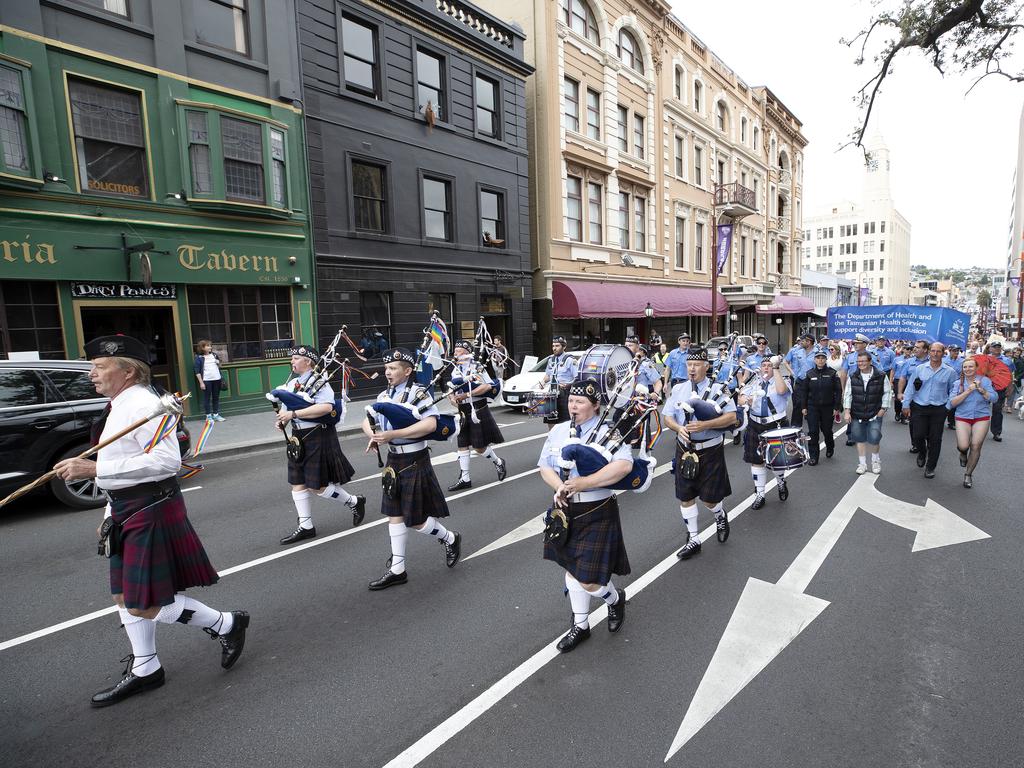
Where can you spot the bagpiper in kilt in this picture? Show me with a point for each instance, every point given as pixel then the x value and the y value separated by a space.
pixel 700 469
pixel 470 385
pixel 321 467
pixel 412 496
pixel 766 397
pixel 592 549
pixel 154 551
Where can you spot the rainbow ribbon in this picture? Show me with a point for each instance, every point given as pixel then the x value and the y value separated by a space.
pixel 190 470
pixel 204 435
pixel 439 333
pixel 167 426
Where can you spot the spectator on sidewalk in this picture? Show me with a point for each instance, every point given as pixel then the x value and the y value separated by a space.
pixel 207 369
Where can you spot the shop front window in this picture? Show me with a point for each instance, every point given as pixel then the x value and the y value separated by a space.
pixel 30 319
pixel 110 141
pixel 249 322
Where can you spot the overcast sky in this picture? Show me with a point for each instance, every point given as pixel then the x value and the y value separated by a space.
pixel 952 155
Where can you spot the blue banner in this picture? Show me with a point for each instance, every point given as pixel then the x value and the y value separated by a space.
pixel 900 321
pixel 724 245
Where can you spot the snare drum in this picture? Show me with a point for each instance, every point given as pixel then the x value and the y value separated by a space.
pixel 607 363
pixel 784 448
pixel 542 403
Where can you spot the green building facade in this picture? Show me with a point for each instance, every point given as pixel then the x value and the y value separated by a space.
pixel 144 200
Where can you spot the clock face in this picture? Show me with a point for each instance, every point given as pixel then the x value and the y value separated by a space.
pixel 873 164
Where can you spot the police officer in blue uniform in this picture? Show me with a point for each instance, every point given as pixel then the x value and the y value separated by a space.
pixel 800 360
pixel 675 363
pixel 924 400
pixel 558 375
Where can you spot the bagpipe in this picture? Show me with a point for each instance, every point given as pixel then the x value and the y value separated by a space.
pixel 402 415
pixel 295 395
pixel 467 377
pixel 710 405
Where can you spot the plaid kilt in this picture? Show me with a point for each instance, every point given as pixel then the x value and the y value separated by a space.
pixel 595 549
pixel 712 482
pixel 419 494
pixel 323 461
pixel 161 553
pixel 562 410
pixel 752 438
pixel 478 435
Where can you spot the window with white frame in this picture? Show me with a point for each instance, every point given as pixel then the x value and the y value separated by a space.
pixel 571 104
pixel 580 19
pixel 721 117
pixel 743 255
pixel 640 223
pixel 624 220
pixel 574 208
pixel 677 84
pixel 743 130
pixel 593 114
pixel 680 157
pixel 628 50
pixel 639 136
pixel 680 254
pixel 698 247
pixel 622 121
pixel 753 257
pixel 698 91
pixel 698 166
pixel 595 198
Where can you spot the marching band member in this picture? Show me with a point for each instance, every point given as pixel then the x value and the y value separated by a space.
pixel 559 372
pixel 412 496
pixel 704 441
pixel 648 377
pixel 593 549
pixel 322 468
pixel 766 398
pixel 159 554
pixel 478 431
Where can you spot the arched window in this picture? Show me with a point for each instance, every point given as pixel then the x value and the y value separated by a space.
pixel 783 160
pixel 720 116
pixel 743 130
pixel 697 90
pixel 677 84
pixel 580 19
pixel 757 139
pixel 629 51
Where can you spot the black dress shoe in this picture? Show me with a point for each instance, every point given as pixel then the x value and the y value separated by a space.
pixel 358 511
pixel 576 636
pixel 129 685
pixel 813 462
pixel 783 490
pixel 502 468
pixel 829 452
pixel 299 534
pixel 617 612
pixel 389 579
pixel 722 527
pixel 736 439
pixel 234 641
pixel 460 484
pixel 692 548
pixel 849 442
pixel 929 473
pixel 453 551
pixel 921 459
pixel 758 501
pixel 997 438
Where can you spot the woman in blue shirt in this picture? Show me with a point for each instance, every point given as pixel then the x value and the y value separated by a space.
pixel 972 396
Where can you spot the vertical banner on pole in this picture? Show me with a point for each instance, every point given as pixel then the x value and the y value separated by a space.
pixel 865 294
pixel 724 245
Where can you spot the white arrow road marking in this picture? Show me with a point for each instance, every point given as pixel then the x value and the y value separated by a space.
pixel 535 526
pixel 768 617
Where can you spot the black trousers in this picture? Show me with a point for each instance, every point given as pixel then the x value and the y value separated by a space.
pixel 997 412
pixel 798 417
pixel 819 419
pixel 926 425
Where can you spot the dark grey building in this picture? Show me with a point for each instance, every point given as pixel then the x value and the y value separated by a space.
pixel 416 126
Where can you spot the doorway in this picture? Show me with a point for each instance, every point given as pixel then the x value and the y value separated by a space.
pixel 153 326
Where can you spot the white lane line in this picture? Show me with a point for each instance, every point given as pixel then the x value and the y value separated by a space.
pixel 512 423
pixel 193 488
pixel 449 728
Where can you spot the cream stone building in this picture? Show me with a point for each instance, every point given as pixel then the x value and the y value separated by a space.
pixel 640 138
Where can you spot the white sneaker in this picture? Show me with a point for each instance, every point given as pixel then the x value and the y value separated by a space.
pixel 876 467
pixel 862 468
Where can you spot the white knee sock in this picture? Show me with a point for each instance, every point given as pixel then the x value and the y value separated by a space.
pixel 579 599
pixel 780 475
pixel 433 528
pixel 490 454
pixel 464 458
pixel 608 593
pixel 336 492
pixel 185 610
pixel 863 460
pixel 142 635
pixel 760 475
pixel 399 536
pixel 302 506
pixel 717 510
pixel 690 518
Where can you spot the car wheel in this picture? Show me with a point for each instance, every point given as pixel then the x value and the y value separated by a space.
pixel 80 494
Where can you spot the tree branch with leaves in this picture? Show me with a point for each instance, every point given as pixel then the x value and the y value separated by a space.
pixel 967 36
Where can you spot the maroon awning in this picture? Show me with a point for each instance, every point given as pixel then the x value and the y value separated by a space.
pixel 787 305
pixel 573 299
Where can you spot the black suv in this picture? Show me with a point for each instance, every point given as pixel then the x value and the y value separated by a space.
pixel 46 410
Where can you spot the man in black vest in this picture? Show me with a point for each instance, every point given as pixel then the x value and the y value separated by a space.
pixel 867 396
pixel 819 396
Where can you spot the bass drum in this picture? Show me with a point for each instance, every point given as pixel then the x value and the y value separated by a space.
pixel 607 363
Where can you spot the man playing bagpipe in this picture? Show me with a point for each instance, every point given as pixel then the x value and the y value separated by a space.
pixel 647 376
pixel 700 413
pixel 470 386
pixel 317 464
pixel 765 398
pixel 558 375
pixel 412 496
pixel 582 531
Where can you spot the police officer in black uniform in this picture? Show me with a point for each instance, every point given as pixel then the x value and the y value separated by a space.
pixel 819 397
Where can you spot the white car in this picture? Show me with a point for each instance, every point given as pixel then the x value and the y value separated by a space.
pixel 518 390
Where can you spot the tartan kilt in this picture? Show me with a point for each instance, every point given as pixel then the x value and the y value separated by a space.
pixel 562 409
pixel 712 482
pixel 161 552
pixel 752 438
pixel 323 462
pixel 595 549
pixel 478 435
pixel 419 494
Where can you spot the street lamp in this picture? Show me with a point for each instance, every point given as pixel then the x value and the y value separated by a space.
pixel 778 335
pixel 648 311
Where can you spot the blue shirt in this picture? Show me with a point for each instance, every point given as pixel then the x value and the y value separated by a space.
pixel 727 369
pixel 957 365
pixel 676 365
pixel 884 358
pixel 851 360
pixel 975 406
pixel 682 392
pixel 648 374
pixel 754 359
pixel 409 393
pixel 551 452
pixel 761 391
pixel 935 385
pixel 800 360
pixel 908 366
pixel 561 368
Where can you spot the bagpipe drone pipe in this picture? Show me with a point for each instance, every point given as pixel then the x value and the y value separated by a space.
pixel 589 458
pixel 402 415
pixel 710 405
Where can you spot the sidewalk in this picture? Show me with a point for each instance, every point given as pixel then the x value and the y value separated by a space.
pixel 251 432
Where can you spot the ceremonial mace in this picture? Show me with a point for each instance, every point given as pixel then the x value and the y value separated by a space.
pixel 169 404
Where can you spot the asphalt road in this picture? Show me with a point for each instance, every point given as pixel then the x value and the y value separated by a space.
pixel 913 661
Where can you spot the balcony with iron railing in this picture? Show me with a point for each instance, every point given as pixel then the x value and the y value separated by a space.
pixel 735 200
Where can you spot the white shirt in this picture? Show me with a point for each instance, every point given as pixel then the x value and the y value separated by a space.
pixel 551 452
pixel 123 464
pixel 325 395
pixel 411 393
pixel 211 368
